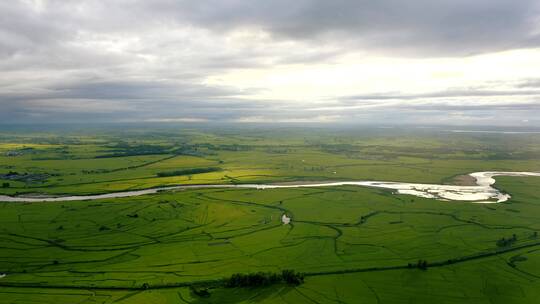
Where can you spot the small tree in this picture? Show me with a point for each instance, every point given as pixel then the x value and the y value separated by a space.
pixel 291 277
pixel 422 264
pixel 5 185
pixel 201 292
pixel 103 228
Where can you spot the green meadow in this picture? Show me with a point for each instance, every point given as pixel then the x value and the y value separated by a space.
pixel 353 244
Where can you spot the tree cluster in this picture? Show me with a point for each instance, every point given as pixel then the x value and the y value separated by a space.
pixel 421 264
pixel 505 242
pixel 188 171
pixel 260 279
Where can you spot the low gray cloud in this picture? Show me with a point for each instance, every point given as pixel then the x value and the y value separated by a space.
pixel 529 84
pixel 447 27
pixel 461 93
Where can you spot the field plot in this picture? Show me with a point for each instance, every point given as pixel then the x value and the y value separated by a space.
pixel 358 235
pixel 353 244
pixel 75 164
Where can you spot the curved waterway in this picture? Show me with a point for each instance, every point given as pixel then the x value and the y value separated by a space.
pixel 483 192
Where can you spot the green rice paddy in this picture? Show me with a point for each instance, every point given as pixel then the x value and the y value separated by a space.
pixel 354 244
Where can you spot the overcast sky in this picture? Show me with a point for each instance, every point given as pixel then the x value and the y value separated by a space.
pixel 358 61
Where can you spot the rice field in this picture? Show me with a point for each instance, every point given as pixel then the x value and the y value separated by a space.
pixel 354 244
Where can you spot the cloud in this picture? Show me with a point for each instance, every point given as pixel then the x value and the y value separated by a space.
pixel 177 119
pixel 281 119
pixel 533 83
pixel 186 61
pixel 454 93
pixel 447 27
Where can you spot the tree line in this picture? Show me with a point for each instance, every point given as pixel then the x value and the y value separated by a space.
pixel 188 171
pixel 260 279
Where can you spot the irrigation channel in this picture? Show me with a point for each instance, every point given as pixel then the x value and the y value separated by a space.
pixel 221 282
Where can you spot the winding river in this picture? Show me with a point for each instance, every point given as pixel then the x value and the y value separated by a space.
pixel 483 192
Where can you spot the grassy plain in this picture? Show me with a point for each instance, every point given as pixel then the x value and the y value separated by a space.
pixel 353 243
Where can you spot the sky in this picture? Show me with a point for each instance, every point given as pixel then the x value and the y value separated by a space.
pixel 451 62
